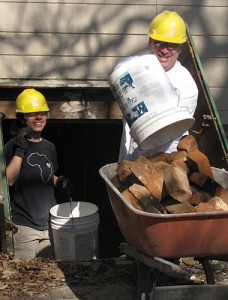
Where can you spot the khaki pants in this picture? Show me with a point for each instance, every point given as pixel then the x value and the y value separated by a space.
pixel 30 243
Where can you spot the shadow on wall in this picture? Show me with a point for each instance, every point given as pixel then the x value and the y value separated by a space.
pixel 99 33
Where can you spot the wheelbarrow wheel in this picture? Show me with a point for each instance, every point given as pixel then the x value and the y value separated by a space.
pixel 207 269
pixel 146 281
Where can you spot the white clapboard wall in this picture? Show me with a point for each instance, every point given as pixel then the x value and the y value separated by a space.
pixel 83 40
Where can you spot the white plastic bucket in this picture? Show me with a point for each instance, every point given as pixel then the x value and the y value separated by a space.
pixel 75 231
pixel 149 102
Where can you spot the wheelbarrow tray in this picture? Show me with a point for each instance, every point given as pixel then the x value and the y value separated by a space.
pixel 167 236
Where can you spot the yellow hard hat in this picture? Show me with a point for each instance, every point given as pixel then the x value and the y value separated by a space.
pixel 168 27
pixel 31 100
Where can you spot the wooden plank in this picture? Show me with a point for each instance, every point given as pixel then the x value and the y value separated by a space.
pixel 51 67
pixel 91 110
pixel 101 45
pixel 201 19
pixel 55 83
pixel 223 115
pixel 210 46
pixel 129 19
pixel 75 18
pixel 73 45
pixel 138 2
pixel 219 96
pixel 216 71
pixel 120 2
pixel 194 2
pixel 88 68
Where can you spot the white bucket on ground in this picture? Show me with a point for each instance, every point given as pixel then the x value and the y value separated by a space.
pixel 75 231
pixel 149 102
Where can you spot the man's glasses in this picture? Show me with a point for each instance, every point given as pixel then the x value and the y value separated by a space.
pixel 169 46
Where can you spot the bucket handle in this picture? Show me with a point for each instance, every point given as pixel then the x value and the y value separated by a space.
pixel 71 208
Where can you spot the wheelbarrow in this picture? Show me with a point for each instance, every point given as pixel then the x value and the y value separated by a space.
pixel 168 236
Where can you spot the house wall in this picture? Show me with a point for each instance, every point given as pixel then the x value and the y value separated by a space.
pixel 83 40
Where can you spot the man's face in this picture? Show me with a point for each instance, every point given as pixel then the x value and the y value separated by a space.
pixel 167 53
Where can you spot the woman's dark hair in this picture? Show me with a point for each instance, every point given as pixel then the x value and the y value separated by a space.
pixel 19 123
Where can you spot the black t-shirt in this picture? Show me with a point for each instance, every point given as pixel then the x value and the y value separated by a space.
pixel 32 195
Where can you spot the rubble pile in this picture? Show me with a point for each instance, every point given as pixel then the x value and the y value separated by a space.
pixel 172 183
pixel 39 278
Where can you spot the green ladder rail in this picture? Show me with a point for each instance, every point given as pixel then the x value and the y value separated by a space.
pixel 6 241
pixel 212 104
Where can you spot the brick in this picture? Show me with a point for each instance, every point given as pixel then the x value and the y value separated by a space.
pixel 188 143
pixel 149 177
pixel 119 185
pixel 177 183
pixel 210 186
pixel 198 196
pixel 160 166
pixel 222 194
pixel 203 183
pixel 198 179
pixel 169 201
pixel 180 208
pixel 124 171
pixel 161 156
pixel 144 196
pixel 205 207
pixel 139 191
pixel 198 162
pixel 178 155
pixel 218 204
pixel 132 200
pixel 180 164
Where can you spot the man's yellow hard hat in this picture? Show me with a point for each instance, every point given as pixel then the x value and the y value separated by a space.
pixel 30 100
pixel 168 27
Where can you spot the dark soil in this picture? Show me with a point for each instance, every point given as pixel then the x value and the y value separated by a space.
pixel 109 279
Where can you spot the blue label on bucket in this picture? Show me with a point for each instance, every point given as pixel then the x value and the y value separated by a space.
pixel 131 100
pixel 126 81
pixel 137 111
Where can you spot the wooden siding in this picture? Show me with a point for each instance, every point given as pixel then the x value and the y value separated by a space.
pixel 82 40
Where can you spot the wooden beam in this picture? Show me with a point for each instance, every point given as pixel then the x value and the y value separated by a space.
pixel 53 83
pixel 87 110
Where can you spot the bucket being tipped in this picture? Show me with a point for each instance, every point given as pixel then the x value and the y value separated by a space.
pixel 149 102
pixel 75 231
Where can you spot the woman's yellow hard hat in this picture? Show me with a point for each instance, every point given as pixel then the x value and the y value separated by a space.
pixel 30 100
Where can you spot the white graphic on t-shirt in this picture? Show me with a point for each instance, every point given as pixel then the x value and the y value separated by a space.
pixel 40 160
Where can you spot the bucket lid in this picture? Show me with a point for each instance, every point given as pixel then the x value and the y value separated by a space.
pixel 74 208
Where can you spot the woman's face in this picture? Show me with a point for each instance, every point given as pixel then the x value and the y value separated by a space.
pixel 36 120
pixel 167 53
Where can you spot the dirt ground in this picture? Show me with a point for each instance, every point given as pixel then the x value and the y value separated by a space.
pixel 108 279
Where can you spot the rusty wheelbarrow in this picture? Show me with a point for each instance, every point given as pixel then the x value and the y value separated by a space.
pixel 167 236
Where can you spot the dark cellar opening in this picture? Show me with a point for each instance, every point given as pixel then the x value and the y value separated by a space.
pixel 83 147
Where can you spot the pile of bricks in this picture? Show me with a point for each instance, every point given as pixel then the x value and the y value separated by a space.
pixel 177 182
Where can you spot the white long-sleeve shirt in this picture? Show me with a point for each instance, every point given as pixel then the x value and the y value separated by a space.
pixel 183 82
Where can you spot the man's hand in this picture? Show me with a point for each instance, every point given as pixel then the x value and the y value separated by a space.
pixel 22 141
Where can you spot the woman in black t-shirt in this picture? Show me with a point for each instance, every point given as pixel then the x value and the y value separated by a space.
pixel 31 163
